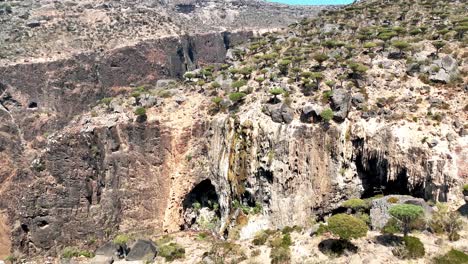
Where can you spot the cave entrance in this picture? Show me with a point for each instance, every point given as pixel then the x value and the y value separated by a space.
pixel 374 175
pixel 201 206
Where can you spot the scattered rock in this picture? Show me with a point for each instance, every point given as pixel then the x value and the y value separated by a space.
pixel 432 143
pixel 310 113
pixel 164 83
pixel 142 250
pixel 33 24
pixel 280 113
pixel 340 103
pixel 101 259
pixel 358 99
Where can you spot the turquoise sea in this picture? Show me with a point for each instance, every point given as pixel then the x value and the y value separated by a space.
pixel 313 2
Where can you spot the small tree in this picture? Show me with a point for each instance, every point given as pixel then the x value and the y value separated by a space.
pixel 320 58
pixel 317 76
pixel 238 84
pixel 439 44
pixel 406 214
pixel 401 45
pixel 275 92
pixel 215 86
pixel 347 227
pixel 189 76
pixel 357 69
pixel 284 66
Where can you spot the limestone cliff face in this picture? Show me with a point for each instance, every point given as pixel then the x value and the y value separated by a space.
pixel 109 173
pixel 105 171
pixel 298 170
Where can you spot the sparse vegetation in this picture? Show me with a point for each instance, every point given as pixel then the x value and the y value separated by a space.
pixel 452 257
pixel 171 251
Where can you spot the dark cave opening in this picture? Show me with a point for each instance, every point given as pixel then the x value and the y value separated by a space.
pixel 32 105
pixel 374 175
pixel 25 228
pixel 203 193
pixel 190 51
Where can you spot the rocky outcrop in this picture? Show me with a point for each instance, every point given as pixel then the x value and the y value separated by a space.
pixel 65 88
pixel 379 214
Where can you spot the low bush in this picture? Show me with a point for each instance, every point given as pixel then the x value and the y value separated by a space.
pixel 327 115
pixel 70 252
pixel 391 227
pixel 356 204
pixel 412 248
pixel 121 239
pixel 140 111
pixel 452 257
pixel 280 255
pixel 260 238
pixel 445 221
pixel 347 227
pixel 171 251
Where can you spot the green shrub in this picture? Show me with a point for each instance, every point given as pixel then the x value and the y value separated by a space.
pixel 171 251
pixel 260 238
pixel 452 257
pixel 445 221
pixel 347 227
pixel 322 229
pixel 356 204
pixel 364 217
pixel 327 115
pixel 465 188
pixel 326 95
pixel 412 248
pixel 121 239
pixel 106 100
pixel 140 111
pixel 70 252
pixel 391 227
pixel 280 255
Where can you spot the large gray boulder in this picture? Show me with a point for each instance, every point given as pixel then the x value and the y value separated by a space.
pixel 340 103
pixel 280 113
pixel 379 211
pixel 448 68
pixel 142 250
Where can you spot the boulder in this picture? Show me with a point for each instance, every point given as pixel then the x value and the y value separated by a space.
pixel 310 112
pixel 142 250
pixel 109 249
pixel 358 99
pixel 441 76
pixel 164 83
pixel 33 23
pixel 448 67
pixel 280 113
pixel 148 100
pixel 379 211
pixel 101 259
pixel 340 103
